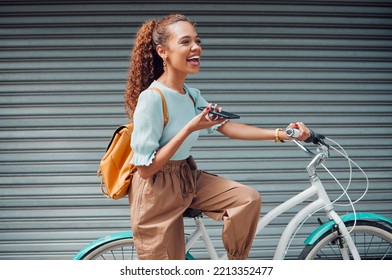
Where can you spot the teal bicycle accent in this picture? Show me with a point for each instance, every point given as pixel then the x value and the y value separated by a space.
pixel 321 230
pixel 189 257
pixel 101 241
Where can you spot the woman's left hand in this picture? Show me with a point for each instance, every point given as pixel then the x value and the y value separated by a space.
pixel 211 116
pixel 304 131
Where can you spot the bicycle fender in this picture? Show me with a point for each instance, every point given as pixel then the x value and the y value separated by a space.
pixel 316 234
pixel 101 241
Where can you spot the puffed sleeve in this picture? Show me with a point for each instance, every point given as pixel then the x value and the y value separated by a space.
pixel 148 127
pixel 201 102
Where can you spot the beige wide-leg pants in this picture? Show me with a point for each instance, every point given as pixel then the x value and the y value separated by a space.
pixel 157 205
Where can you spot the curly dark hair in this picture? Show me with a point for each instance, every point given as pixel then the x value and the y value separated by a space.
pixel 145 63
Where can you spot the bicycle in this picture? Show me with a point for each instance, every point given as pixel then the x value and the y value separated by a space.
pixel 361 235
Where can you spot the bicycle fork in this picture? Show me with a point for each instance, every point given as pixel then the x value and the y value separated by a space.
pixel 343 233
pixel 340 243
pixel 345 241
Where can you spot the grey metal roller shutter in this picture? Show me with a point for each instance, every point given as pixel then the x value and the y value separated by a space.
pixel 62 76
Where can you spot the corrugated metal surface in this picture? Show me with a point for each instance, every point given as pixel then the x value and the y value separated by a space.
pixel 62 72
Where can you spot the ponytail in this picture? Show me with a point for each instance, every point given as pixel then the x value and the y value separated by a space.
pixel 143 67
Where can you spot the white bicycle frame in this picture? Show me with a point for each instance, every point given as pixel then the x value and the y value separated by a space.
pixel 322 202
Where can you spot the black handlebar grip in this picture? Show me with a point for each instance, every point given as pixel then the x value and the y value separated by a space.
pixel 315 138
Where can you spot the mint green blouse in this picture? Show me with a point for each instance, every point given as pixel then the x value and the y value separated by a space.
pixel 150 133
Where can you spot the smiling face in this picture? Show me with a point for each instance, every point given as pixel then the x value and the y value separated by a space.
pixel 182 50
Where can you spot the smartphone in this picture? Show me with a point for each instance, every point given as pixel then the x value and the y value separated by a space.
pixel 223 114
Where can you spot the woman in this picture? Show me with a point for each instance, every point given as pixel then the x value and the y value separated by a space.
pixel 167 181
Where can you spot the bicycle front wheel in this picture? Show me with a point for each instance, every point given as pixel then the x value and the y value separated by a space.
pixel 121 249
pixel 372 239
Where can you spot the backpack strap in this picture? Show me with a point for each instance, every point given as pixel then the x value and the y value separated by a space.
pixel 165 117
pixel 118 129
pixel 191 97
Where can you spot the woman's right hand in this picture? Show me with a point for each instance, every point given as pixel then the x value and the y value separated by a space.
pixel 204 120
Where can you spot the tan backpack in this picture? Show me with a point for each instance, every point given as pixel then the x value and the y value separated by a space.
pixel 115 167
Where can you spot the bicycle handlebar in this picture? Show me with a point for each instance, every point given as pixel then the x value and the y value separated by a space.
pixel 314 137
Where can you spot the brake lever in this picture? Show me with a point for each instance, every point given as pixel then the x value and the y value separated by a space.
pixel 303 148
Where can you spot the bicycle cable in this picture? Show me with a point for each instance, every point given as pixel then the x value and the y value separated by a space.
pixel 345 155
